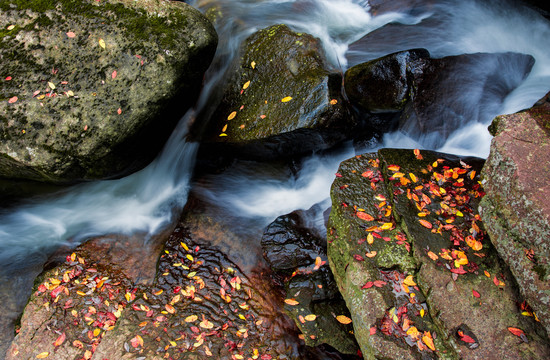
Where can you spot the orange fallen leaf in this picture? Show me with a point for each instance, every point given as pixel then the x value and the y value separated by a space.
pixel 60 340
pixel 371 254
pixel 432 256
pixel 516 331
pixel 343 319
pixel 364 216
pixel 170 308
pixel 12 100
pixel 333 102
pixel 428 340
pixel 232 115
pixel 425 223
pixel 291 302
pixel 394 167
pixel 409 281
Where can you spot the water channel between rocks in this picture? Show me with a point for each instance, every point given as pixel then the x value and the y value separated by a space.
pixel 254 193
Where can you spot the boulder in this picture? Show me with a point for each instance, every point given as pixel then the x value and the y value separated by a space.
pixel 282 99
pixel 433 97
pixel 91 89
pixel 515 210
pixel 415 265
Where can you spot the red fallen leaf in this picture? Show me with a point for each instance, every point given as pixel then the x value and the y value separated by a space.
pixel 465 338
pixel 364 216
pixel 338 175
pixel 60 340
pixel 516 331
pixel 476 294
pixel 8 78
pixel 379 283
pixel 57 291
pixel 358 257
pixel 136 341
pixel 372 330
pixel 367 174
pixel 12 100
pixel 368 285
pixel 425 223
pixel 460 271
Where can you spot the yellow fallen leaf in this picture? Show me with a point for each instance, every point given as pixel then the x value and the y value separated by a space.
pixel 427 339
pixel 191 318
pixel 11 27
pixel 409 281
pixel 286 99
pixel 51 85
pixel 246 85
pixel 343 319
pixel 386 226
pixel 43 355
pixel 102 43
pixel 310 317
pixel 253 64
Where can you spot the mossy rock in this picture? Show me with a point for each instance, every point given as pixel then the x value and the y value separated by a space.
pixel 458 278
pixel 282 99
pixel 92 89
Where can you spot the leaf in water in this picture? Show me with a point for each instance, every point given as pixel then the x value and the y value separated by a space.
pixel 425 223
pixel 12 100
pixel 71 34
pixel 364 216
pixel 343 319
pixel 43 355
pixel 291 302
pixel 102 43
pixel 286 99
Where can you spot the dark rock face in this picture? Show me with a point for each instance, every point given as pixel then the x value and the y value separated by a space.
pixel 382 85
pixel 91 89
pixel 415 265
pixel 298 255
pixel 516 210
pixel 281 100
pixel 434 96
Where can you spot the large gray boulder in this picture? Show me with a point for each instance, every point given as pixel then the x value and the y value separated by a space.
pixel 516 210
pixel 92 89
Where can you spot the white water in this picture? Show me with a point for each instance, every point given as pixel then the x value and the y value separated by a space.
pixel 145 201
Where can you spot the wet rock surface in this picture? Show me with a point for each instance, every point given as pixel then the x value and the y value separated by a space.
pixel 428 94
pixel 515 210
pixel 297 254
pixel 446 293
pixel 85 85
pixel 282 99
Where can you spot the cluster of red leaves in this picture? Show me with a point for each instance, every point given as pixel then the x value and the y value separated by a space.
pixel 93 303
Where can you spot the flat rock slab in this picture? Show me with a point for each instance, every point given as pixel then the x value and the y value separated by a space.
pixel 447 295
pixel 516 210
pixel 92 89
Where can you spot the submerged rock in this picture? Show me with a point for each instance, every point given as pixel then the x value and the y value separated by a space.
pixel 297 254
pixel 415 266
pixel 282 99
pixel 92 89
pixel 516 210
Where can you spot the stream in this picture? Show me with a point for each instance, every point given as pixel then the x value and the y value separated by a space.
pixel 352 32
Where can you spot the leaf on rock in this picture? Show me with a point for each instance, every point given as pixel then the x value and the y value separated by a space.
pixel 364 216
pixel 343 319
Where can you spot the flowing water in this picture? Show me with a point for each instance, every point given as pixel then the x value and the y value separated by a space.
pixel 352 31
